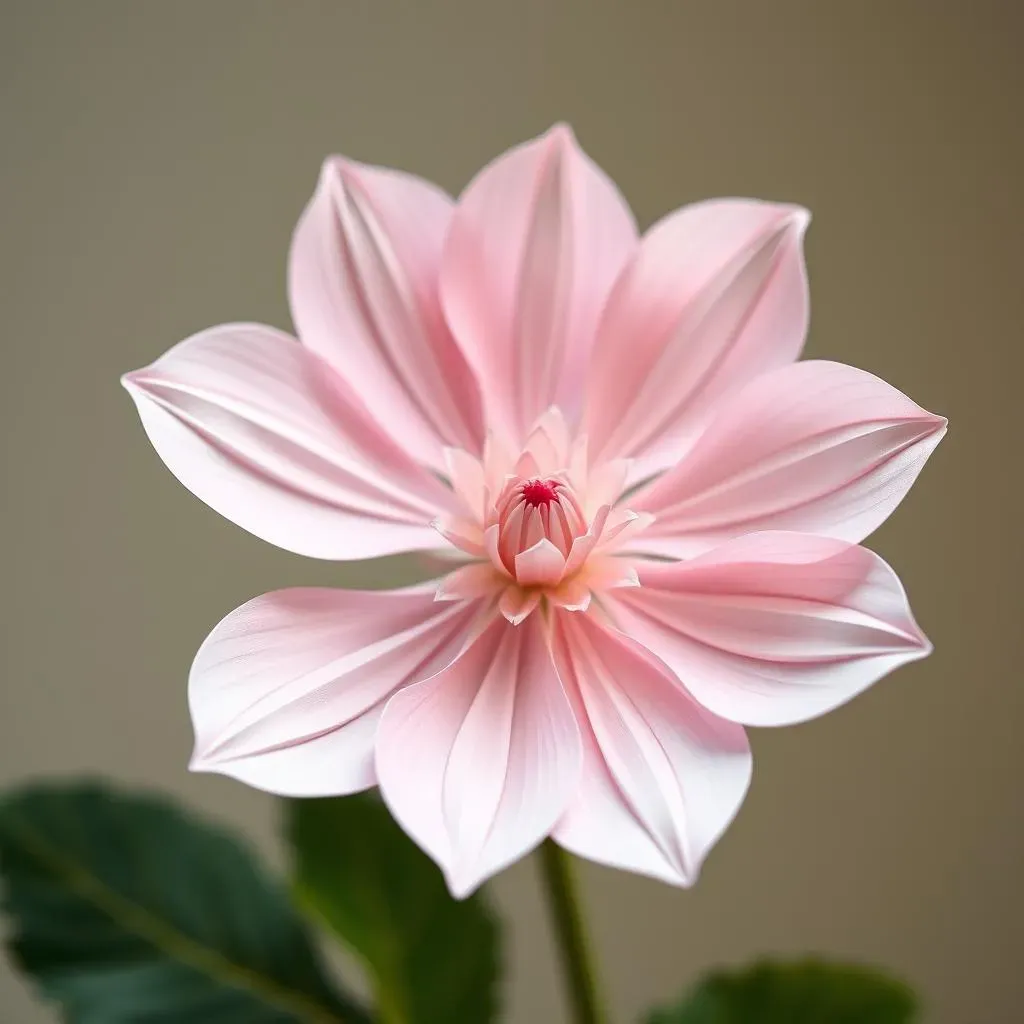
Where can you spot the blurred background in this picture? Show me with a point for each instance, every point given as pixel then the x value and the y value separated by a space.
pixel 155 156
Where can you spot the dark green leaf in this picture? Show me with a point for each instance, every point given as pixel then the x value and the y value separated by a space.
pixel 809 992
pixel 126 911
pixel 433 959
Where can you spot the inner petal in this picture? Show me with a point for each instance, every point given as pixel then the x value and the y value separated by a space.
pixel 532 509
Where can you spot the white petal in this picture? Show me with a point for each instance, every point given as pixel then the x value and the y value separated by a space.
pixel 363 286
pixel 286 691
pixel 478 762
pixel 268 436
pixel 662 777
pixel 773 628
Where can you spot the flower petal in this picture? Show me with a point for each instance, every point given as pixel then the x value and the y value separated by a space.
pixel 268 436
pixel 541 565
pixel 466 475
pixel 537 239
pixel 478 762
pixel 572 594
pixel 582 545
pixel 286 691
pixel 609 572
pixel 817 446
pixel 549 443
pixel 773 628
pixel 516 603
pixel 463 534
pixel 716 295
pixel 363 285
pixel 477 579
pixel 662 777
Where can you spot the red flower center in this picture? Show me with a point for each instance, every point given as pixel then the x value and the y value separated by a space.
pixel 539 492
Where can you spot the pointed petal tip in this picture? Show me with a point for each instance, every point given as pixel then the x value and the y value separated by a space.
pixel 933 428
pixel 679 874
pixel 799 218
pixel 793 221
pixel 461 888
pixel 341 172
pixel 134 381
pixel 561 134
pixel 630 579
pixel 204 757
pixel 920 645
pixel 517 605
pixel 333 167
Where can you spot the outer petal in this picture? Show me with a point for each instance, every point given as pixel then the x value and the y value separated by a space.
pixel 478 762
pixel 773 628
pixel 363 286
pixel 549 444
pixel 662 776
pixel 817 446
pixel 463 534
pixel 716 295
pixel 477 579
pixel 287 690
pixel 536 242
pixel 466 475
pixel 266 434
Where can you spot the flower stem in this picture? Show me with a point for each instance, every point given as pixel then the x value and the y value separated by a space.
pixel 570 935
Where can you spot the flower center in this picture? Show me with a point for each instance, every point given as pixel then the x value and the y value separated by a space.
pixel 539 492
pixel 543 526
pixel 534 509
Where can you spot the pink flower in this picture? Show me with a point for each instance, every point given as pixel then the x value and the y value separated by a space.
pixel 656 508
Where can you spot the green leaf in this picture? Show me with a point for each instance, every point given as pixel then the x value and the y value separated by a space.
pixel 434 960
pixel 809 992
pixel 126 911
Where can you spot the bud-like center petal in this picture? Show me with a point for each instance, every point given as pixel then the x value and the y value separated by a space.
pixel 533 509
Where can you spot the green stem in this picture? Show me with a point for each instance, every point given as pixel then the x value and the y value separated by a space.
pixel 570 935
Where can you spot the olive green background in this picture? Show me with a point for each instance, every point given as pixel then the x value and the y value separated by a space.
pixel 154 158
